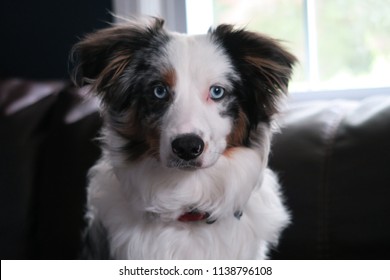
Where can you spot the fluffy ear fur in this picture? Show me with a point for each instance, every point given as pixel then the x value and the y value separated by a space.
pixel 101 57
pixel 264 65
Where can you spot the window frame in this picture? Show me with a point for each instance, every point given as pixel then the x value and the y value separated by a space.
pixel 175 14
pixel 173 11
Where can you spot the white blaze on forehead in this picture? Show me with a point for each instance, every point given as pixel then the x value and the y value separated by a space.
pixel 198 64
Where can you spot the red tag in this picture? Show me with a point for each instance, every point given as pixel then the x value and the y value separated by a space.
pixel 193 216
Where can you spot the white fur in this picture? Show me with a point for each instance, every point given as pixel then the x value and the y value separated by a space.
pixel 139 203
pixel 192 111
pixel 120 197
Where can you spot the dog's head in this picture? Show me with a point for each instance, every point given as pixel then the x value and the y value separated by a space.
pixel 183 100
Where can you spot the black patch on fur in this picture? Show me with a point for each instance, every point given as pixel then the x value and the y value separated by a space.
pixel 264 68
pixel 123 64
pixel 95 243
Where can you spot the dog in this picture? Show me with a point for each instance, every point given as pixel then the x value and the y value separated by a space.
pixel 188 122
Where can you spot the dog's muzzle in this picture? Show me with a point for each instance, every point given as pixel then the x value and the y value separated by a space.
pixel 187 146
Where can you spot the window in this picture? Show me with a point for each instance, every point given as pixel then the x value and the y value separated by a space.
pixel 341 44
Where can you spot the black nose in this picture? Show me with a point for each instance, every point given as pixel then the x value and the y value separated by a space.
pixel 188 146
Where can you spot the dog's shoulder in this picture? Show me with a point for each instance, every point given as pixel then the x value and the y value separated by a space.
pixel 95 243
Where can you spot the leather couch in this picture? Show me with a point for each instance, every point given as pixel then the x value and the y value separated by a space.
pixel 46 148
pixel 332 157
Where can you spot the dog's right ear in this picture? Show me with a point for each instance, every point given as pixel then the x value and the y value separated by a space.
pixel 101 57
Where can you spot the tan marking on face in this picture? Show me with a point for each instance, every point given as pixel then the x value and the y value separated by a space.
pixel 153 141
pixel 239 133
pixel 170 78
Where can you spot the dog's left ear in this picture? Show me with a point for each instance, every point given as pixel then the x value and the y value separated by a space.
pixel 264 65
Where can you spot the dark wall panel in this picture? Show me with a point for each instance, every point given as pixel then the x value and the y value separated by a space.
pixel 36 36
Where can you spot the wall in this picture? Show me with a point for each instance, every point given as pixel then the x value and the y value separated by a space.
pixel 36 36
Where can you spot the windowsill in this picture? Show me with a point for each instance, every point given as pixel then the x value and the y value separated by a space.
pixel 353 94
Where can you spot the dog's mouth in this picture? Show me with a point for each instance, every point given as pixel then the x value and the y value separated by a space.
pixel 184 164
pixel 189 152
pixel 186 152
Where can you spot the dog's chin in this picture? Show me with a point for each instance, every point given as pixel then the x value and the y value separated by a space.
pixel 184 164
pixel 188 165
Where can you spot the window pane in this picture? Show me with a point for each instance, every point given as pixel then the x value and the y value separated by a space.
pixel 281 19
pixel 353 43
pixel 352 38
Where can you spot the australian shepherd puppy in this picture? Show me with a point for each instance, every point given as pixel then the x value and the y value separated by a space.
pixel 188 125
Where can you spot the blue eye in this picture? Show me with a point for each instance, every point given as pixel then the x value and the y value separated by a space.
pixel 217 92
pixel 160 92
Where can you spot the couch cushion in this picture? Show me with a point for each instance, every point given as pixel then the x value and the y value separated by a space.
pixel 46 149
pixel 333 159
